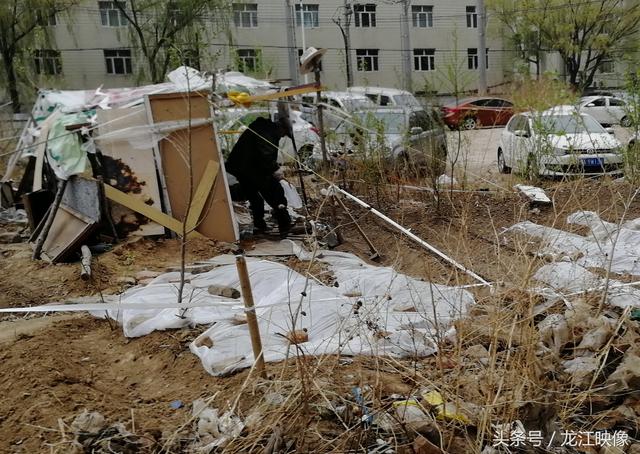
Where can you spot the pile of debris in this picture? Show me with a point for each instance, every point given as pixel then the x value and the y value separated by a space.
pixel 102 165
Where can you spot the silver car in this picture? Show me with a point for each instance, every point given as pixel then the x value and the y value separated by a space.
pixel 394 135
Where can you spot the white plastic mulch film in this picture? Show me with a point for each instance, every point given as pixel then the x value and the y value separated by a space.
pixel 372 311
pixel 606 246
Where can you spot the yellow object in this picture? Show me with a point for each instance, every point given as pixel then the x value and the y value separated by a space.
pixel 246 100
pixel 202 193
pixel 238 97
pixel 154 214
pixel 445 410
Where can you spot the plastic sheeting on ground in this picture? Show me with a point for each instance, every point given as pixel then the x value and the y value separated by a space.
pixel 372 310
pixel 569 278
pixel 607 244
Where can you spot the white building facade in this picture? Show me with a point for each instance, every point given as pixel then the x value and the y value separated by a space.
pixel 437 40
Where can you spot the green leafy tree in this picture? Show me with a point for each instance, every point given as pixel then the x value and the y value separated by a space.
pixel 167 32
pixel 523 21
pixel 583 33
pixel 22 24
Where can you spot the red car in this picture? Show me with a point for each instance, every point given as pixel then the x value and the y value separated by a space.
pixel 471 113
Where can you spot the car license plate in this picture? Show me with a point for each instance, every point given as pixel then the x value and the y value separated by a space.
pixel 592 162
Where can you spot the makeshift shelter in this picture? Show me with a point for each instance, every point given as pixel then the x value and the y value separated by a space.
pixel 111 162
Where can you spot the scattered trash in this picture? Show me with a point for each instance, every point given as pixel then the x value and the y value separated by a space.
pixel 176 404
pixel 581 369
pixel 412 413
pixel 87 421
pixel 13 216
pixel 366 417
pixel 534 194
pixel 627 375
pixel 446 180
pixel 214 430
pixel 445 410
pixel 227 292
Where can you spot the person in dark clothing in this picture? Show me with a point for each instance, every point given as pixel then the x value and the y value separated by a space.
pixel 254 162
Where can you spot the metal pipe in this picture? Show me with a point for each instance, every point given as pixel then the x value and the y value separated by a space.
pixel 412 236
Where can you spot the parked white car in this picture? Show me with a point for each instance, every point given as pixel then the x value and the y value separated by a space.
pixel 388 97
pixel 230 123
pixel 608 110
pixel 557 142
pixel 337 102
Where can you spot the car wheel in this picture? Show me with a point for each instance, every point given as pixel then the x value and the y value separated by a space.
pixel 470 123
pixel 625 122
pixel 502 165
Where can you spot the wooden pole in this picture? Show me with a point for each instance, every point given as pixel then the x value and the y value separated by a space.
pixel 252 320
pixel 85 263
pixel 323 144
pixel 62 184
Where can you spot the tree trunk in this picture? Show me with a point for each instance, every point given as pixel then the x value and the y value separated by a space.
pixel 12 81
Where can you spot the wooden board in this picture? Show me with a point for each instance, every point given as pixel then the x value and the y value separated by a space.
pixel 68 232
pixel 217 220
pixel 134 204
pixel 131 170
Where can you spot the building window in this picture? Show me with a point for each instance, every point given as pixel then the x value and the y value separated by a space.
pixel 118 61
pixel 310 13
pixel 472 17
pixel 247 60
pixel 422 16
pixel 46 18
pixel 367 59
pixel 300 52
pixel 245 15
pixel 365 15
pixel 110 15
pixel 424 59
pixel 47 62
pixel 472 58
pixel 607 66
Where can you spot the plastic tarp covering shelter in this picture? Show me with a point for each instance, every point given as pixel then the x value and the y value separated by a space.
pixel 605 245
pixel 372 310
pixel 236 81
pixel 66 155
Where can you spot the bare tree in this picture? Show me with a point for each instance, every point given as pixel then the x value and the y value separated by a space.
pixel 165 30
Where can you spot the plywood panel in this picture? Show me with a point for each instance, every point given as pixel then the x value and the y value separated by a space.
pixel 68 231
pixel 131 170
pixel 217 219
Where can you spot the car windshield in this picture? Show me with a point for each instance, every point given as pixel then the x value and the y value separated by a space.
pixel 391 122
pixel 570 124
pixel 406 100
pixel 358 103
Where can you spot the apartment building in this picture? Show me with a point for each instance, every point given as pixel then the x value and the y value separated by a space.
pixel 436 39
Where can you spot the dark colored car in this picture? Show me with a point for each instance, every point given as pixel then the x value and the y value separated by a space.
pixel 471 113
